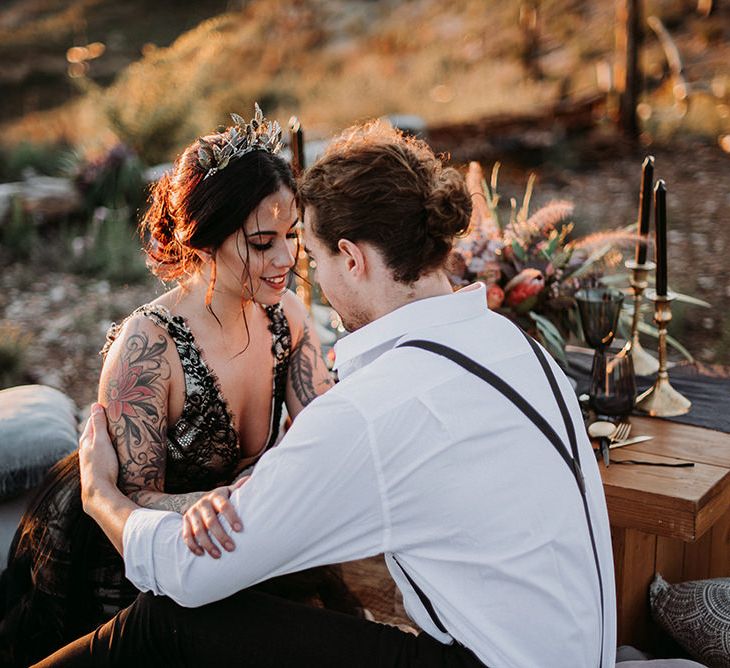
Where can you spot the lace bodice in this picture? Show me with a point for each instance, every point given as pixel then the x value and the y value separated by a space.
pixel 203 449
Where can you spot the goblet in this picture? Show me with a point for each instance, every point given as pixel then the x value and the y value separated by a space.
pixel 599 310
pixel 613 385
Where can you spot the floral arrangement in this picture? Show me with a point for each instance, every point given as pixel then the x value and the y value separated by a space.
pixel 529 263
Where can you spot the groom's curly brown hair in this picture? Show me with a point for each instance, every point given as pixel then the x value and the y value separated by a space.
pixel 375 184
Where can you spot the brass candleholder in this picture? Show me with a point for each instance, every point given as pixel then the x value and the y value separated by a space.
pixel 644 363
pixel 662 400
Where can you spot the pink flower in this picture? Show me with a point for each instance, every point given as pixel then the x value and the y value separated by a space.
pixel 528 283
pixel 126 392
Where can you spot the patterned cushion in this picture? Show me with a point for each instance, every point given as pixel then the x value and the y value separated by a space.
pixel 697 615
pixel 37 428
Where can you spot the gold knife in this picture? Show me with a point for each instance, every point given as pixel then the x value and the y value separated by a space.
pixel 630 441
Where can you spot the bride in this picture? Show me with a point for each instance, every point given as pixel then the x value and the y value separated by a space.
pixel 193 383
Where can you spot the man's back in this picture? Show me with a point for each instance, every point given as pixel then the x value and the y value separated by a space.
pixel 478 507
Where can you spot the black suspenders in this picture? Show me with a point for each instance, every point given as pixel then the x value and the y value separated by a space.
pixel 573 462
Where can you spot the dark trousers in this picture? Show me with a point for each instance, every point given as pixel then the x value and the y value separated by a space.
pixel 254 630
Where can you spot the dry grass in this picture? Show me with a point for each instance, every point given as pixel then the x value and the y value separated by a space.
pixel 333 63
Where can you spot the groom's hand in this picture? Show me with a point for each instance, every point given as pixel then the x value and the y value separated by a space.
pixel 98 462
pixel 200 522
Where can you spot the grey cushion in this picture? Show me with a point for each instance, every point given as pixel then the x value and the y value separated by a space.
pixel 38 427
pixel 697 615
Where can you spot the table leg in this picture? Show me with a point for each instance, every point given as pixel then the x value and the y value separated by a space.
pixel 634 555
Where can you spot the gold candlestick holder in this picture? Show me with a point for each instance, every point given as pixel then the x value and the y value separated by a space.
pixel 662 400
pixel 645 364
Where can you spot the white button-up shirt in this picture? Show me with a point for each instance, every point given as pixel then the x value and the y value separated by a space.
pixel 411 455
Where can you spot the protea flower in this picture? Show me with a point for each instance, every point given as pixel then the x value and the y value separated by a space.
pixel 523 289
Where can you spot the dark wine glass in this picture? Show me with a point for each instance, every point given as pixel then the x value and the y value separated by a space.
pixel 599 310
pixel 613 384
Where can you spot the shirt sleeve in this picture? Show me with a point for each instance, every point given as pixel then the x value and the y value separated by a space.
pixel 314 499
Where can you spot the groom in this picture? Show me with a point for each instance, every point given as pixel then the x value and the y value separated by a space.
pixel 470 470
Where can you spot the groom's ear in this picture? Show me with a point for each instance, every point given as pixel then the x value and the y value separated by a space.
pixel 355 259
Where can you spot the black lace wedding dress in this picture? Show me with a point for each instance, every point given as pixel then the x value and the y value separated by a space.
pixel 64 578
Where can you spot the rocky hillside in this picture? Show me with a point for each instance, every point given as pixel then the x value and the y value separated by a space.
pixel 334 61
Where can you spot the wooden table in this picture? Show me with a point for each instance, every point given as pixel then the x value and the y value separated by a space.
pixel 675 521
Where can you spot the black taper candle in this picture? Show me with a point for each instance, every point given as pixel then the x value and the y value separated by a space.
pixel 660 224
pixel 647 184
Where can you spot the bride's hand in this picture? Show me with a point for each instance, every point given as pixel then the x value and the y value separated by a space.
pixel 200 522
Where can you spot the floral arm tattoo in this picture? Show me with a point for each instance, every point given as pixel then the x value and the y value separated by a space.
pixel 308 373
pixel 134 392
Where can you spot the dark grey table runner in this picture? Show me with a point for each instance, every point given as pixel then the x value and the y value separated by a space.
pixel 709 394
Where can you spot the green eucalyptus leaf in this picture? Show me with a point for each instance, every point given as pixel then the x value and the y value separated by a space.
pixel 546 323
pixel 646 328
pixel 552 245
pixel 560 259
pixel 615 279
pixel 689 299
pixel 519 251
pixel 551 336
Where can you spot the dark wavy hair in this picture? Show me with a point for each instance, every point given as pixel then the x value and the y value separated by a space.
pixel 188 212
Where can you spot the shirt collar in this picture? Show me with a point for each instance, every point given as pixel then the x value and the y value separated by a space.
pixel 363 346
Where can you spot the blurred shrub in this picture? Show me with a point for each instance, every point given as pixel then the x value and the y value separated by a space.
pixel 48 159
pixel 115 180
pixel 13 349
pixel 155 103
pixel 109 248
pixel 18 235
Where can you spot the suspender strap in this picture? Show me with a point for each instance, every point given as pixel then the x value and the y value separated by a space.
pixel 573 462
pixel 569 427
pixel 425 601
pixel 508 391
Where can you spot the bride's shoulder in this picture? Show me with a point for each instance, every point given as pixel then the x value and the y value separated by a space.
pixel 296 314
pixel 143 332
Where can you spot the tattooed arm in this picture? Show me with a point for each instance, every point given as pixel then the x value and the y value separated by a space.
pixel 134 389
pixel 308 373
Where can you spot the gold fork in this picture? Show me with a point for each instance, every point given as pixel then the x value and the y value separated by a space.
pixel 623 429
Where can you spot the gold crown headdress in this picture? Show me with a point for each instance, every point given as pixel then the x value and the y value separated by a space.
pixel 257 135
